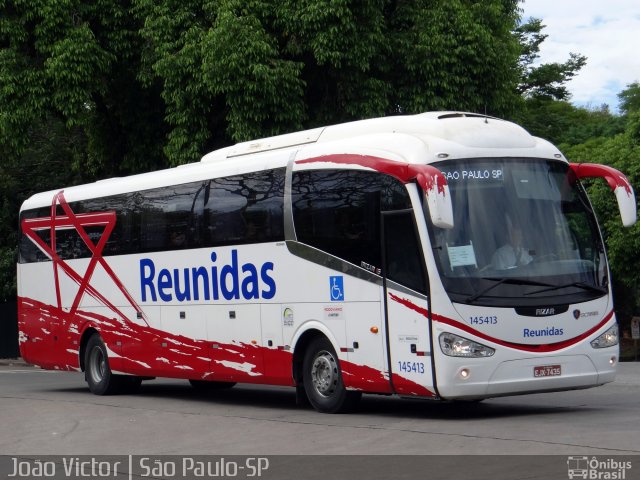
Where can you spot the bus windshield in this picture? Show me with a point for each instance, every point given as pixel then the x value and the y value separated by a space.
pixel 524 235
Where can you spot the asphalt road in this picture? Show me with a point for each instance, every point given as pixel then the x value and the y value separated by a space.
pixel 53 413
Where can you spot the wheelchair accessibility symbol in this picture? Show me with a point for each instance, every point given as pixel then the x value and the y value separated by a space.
pixel 336 289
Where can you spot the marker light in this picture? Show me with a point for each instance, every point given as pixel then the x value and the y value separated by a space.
pixel 456 346
pixel 607 339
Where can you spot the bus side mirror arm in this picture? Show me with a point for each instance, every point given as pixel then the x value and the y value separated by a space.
pixel 617 182
pixel 436 191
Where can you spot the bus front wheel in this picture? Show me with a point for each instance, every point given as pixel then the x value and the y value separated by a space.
pixel 322 379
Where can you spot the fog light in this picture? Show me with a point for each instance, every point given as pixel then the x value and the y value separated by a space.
pixel 464 373
pixel 612 361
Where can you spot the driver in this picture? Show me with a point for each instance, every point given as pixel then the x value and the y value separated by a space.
pixel 512 254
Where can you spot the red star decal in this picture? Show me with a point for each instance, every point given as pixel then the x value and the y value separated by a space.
pixel 30 227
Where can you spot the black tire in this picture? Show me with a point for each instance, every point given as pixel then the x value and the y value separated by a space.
pixel 97 372
pixel 206 385
pixel 322 379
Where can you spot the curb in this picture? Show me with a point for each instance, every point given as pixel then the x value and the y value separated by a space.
pixel 14 362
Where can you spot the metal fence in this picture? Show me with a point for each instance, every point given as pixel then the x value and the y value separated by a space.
pixel 9 330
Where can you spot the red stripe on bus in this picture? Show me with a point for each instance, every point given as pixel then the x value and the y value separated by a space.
pixel 539 348
pixel 405 172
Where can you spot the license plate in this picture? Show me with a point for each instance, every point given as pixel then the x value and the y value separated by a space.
pixel 547 371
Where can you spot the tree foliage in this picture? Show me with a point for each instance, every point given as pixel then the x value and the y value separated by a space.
pixel 269 67
pixel 596 135
pixel 630 98
pixel 564 124
pixel 43 165
pixel 546 80
pixel 150 82
pixel 111 87
pixel 78 61
pixel 621 151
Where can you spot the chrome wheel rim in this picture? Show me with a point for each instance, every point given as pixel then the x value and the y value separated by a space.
pixel 97 365
pixel 324 374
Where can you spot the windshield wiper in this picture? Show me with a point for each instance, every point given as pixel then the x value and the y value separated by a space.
pixel 509 280
pixel 584 286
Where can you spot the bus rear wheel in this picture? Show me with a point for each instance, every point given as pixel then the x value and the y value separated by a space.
pixel 100 379
pixel 322 379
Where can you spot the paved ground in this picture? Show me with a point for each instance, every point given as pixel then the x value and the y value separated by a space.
pixel 53 413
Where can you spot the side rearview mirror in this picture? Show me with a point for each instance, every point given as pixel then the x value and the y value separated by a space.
pixel 437 193
pixel 617 182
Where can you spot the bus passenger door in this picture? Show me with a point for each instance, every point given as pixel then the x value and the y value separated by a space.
pixel 405 292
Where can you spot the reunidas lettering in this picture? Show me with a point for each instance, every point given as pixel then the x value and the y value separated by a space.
pixel 231 281
pixel 543 332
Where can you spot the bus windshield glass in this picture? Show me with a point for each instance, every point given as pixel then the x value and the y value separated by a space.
pixel 524 235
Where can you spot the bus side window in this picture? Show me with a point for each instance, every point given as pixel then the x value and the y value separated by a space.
pixel 338 212
pixel 231 210
pixel 245 209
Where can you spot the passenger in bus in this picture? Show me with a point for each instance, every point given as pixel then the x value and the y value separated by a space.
pixel 177 238
pixel 513 253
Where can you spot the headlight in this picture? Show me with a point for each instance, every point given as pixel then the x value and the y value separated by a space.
pixel 607 339
pixel 456 346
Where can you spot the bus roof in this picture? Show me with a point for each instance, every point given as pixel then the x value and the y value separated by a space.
pixel 458 134
pixel 422 138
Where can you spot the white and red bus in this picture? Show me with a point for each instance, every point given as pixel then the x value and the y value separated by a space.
pixel 443 255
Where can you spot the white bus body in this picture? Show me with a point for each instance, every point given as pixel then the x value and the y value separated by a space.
pixel 353 258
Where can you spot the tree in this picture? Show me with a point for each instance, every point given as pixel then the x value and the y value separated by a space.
pixel 235 71
pixel 78 62
pixel 42 165
pixel 547 80
pixel 71 107
pixel 544 108
pixel 621 151
pixel 566 125
pixel 453 55
pixel 630 98
pixel 113 87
